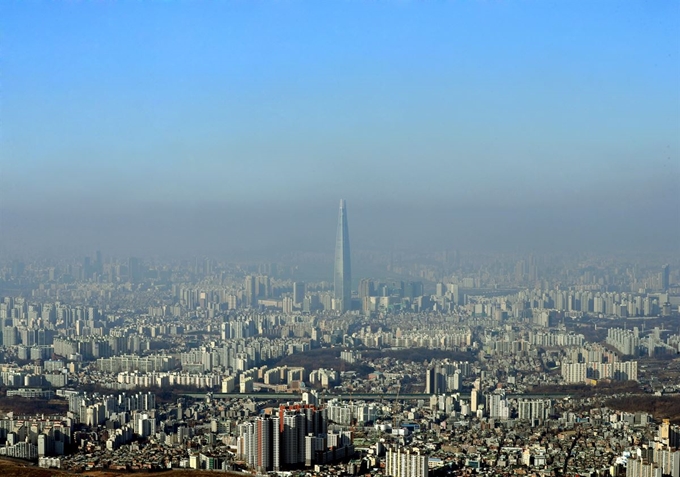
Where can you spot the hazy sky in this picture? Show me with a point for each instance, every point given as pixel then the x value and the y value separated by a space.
pixel 491 115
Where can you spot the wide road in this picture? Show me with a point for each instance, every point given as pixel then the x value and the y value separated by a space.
pixel 356 396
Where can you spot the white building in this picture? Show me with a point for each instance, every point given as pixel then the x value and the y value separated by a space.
pixel 405 463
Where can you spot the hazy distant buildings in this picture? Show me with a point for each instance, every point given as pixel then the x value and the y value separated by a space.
pixel 366 288
pixel 343 275
pixel 134 270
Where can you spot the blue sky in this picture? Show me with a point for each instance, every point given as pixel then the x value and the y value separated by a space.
pixel 500 103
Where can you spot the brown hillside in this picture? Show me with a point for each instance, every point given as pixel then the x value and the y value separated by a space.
pixel 661 407
pixel 12 468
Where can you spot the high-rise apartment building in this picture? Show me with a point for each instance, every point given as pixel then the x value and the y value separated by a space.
pixel 435 381
pixel 295 436
pixel 298 293
pixel 366 288
pixel 405 463
pixel 534 409
pixel 250 292
pixel 343 274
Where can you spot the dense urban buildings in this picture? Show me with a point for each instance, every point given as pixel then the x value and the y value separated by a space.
pixel 254 366
pixel 451 364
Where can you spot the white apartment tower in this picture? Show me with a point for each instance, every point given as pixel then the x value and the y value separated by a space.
pixel 404 463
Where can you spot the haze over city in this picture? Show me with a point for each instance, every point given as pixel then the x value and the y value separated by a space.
pixel 227 128
pixel 340 238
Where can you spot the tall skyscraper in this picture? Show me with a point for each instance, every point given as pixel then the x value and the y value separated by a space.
pixel 343 274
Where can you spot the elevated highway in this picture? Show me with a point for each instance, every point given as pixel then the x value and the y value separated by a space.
pixel 356 396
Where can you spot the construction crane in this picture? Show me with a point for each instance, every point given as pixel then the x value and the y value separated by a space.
pixel 394 407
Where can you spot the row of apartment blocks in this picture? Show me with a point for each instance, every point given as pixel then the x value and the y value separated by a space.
pixel 242 354
pixel 590 353
pixel 287 378
pixel 630 342
pixel 551 339
pixel 495 405
pixel 53 373
pixel 96 409
pixel 444 339
pixel 15 335
pixel 244 382
pixel 132 380
pixel 130 363
pixel 527 302
pixel 17 308
pixel 593 362
pixel 594 371
pixel 94 347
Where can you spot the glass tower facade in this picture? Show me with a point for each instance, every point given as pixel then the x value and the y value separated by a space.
pixel 343 275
